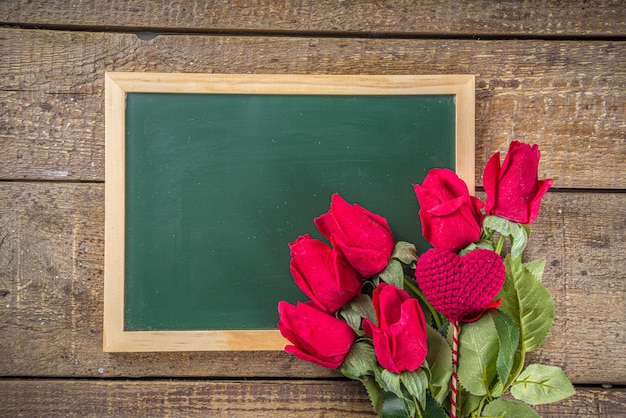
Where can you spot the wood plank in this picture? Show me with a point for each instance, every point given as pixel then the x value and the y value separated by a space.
pixel 237 399
pixel 567 96
pixel 197 398
pixel 398 17
pixel 52 260
pixel 579 235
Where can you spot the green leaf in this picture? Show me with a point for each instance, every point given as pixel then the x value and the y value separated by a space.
pixel 497 224
pixel 478 351
pixel 360 361
pixel 519 238
pixel 351 317
pixel 539 384
pixel 508 339
pixel 362 305
pixel 527 302
pixel 467 402
pixel 416 384
pixel 433 409
pixel 506 408
pixel 405 252
pixel 536 268
pixel 379 379
pixel 410 408
pixel 517 233
pixel 393 407
pixel 393 274
pixel 497 389
pixel 481 244
pixel 439 359
pixel 375 393
pixel 392 382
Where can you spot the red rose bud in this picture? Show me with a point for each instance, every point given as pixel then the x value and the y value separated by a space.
pixel 513 190
pixel 450 217
pixel 316 336
pixel 363 237
pixel 460 287
pixel 400 339
pixel 323 274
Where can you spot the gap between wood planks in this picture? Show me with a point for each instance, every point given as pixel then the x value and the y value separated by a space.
pixel 151 33
pixel 225 379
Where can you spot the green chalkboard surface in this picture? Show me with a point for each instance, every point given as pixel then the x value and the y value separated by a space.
pixel 217 185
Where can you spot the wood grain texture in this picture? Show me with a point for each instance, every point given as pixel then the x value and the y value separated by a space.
pixel 550 72
pixel 397 17
pixel 567 96
pixel 578 234
pixel 51 319
pixel 258 399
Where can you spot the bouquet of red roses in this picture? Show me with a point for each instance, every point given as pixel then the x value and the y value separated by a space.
pixel 444 334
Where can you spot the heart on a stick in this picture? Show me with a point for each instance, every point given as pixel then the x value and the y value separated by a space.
pixel 460 287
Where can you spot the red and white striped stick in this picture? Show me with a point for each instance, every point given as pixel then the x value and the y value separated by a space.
pixel 455 363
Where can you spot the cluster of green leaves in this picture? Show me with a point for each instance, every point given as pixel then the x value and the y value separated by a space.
pixel 419 393
pixel 492 350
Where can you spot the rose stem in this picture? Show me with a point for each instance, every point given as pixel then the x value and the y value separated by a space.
pixel 455 363
pixel 499 244
pixel 413 287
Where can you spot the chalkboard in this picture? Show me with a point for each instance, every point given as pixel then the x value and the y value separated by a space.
pixel 211 177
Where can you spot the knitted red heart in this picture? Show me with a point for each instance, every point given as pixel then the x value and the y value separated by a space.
pixel 460 287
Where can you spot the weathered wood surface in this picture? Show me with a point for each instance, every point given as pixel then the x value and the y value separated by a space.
pixel 383 17
pixel 552 73
pixel 567 96
pixel 51 259
pixel 258 399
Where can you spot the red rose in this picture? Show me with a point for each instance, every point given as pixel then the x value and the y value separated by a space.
pixel 316 336
pixel 363 237
pixel 323 274
pixel 400 339
pixel 451 218
pixel 513 190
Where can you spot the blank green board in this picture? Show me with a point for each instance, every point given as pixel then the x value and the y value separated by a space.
pixel 218 185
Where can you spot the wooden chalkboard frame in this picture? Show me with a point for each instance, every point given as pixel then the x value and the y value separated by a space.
pixel 118 84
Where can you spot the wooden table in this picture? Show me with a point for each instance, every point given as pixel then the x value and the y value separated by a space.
pixel 551 73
